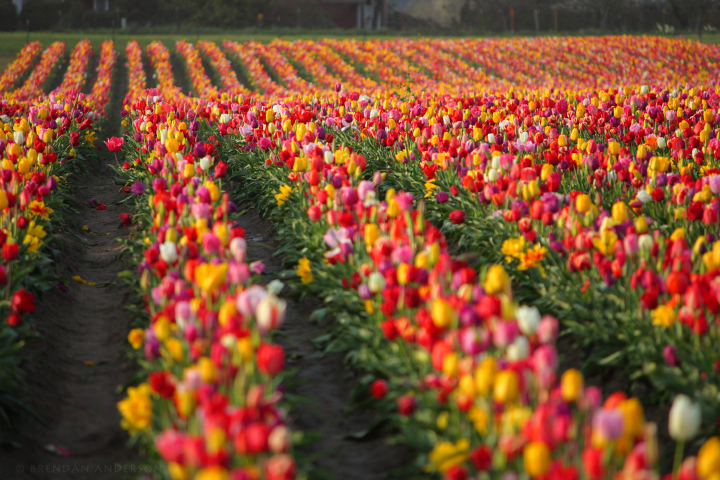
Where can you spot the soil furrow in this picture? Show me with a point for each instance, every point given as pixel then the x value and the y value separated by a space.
pixel 323 386
pixel 77 363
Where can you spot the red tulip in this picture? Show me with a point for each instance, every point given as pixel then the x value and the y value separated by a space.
pixel 256 437
pixel 315 213
pixel 162 384
pixel 14 319
pixel 592 459
pixel 23 301
pixel 677 283
pixel 378 389
pixel 280 467
pixel 457 216
pixel 10 251
pixel 270 359
pixel 220 169
pixel 481 458
pixel 456 473
pixel 406 405
pixel 114 144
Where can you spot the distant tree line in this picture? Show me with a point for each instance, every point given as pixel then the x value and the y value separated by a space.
pixel 590 15
pixel 69 14
pixel 488 16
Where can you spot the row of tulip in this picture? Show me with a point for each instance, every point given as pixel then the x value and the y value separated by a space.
pixel 222 66
pixel 314 67
pixel 257 75
pixel 39 144
pixel 601 204
pixel 99 96
pixel 137 83
pixel 76 73
pixel 471 376
pixel 34 86
pixel 287 74
pixel 453 66
pixel 12 74
pixel 209 402
pixel 633 224
pixel 195 70
pixel 159 58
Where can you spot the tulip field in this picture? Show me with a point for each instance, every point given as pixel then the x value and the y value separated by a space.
pixel 515 243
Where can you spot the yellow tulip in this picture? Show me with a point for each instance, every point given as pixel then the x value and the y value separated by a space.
pixel 484 376
pixel 441 312
pixel 207 370
pixel 571 385
pixel 136 337
pixel 371 234
pixel 497 280
pixel 536 459
pixel 506 387
pixel 210 277
pixel 708 459
pixel 634 418
pixel 583 203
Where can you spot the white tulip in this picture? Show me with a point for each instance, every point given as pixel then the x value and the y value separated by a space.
pixel 645 242
pixel 685 419
pixel 491 138
pixel 528 319
pixel 328 157
pixel 275 287
pixel 228 341
pixel 493 175
pixel 205 163
pixel 519 349
pixel 238 247
pixel 644 196
pixel 376 282
pixel 270 312
pixel 661 142
pixel 19 138
pixel 168 252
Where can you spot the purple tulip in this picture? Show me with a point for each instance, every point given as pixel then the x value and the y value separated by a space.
pixel 609 423
pixel 670 354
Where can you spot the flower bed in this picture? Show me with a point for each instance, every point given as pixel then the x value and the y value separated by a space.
pixel 34 86
pixel 471 375
pixel 41 146
pixel 12 74
pixel 208 404
pixel 76 73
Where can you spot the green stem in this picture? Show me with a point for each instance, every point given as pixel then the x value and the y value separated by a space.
pixel 679 448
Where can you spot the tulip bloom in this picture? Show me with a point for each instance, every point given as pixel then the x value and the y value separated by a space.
pixel 114 144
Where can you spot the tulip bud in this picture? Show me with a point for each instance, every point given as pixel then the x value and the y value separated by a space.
pixel 168 252
pixel 685 419
pixel 528 319
pixel 376 282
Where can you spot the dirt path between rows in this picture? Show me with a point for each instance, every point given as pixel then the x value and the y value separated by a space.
pixel 75 367
pixel 323 385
